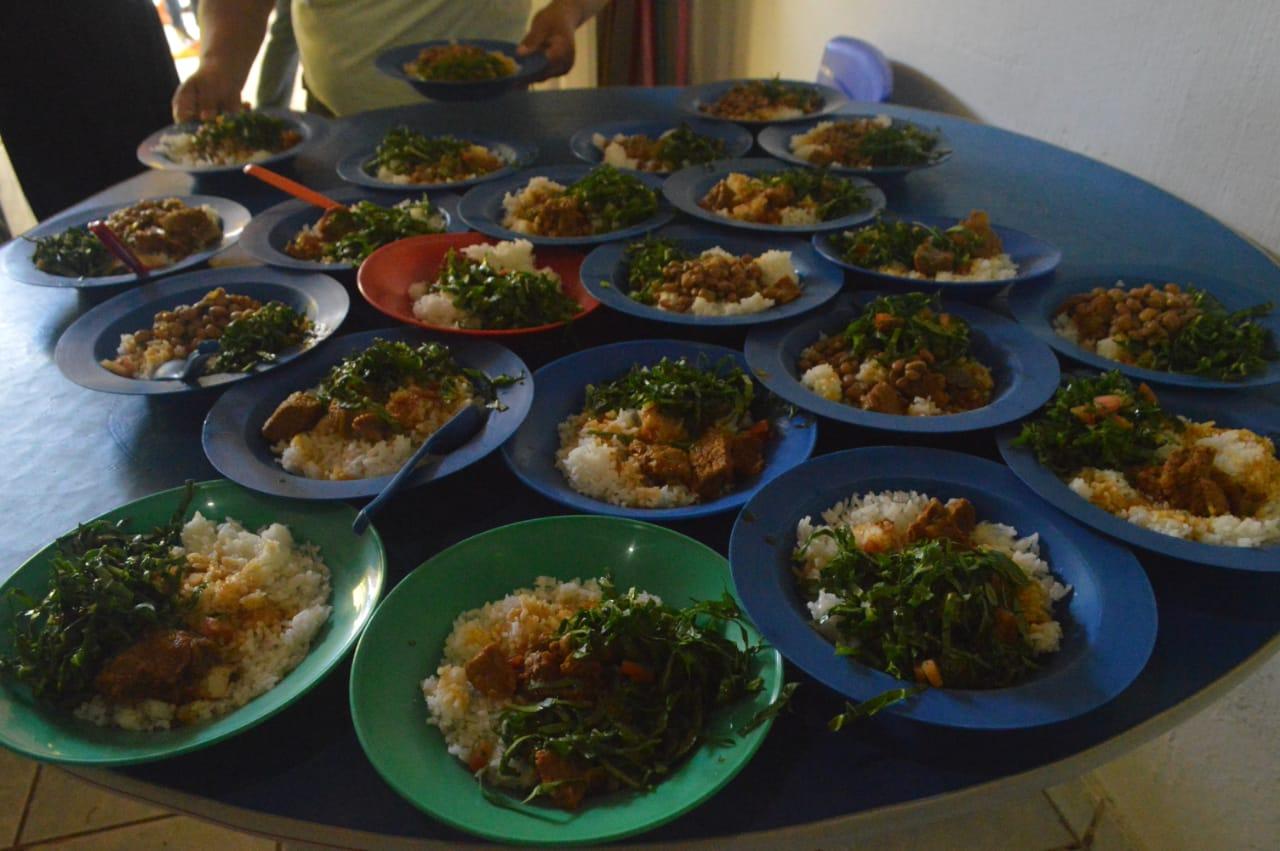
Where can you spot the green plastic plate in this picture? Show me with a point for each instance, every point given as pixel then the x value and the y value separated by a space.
pixel 404 642
pixel 357 567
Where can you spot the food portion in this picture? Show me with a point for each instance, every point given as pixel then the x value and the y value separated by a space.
pixel 673 150
pixel 159 233
pixel 865 143
pixel 459 63
pixel 251 333
pixel 765 100
pixel 604 200
pixel 673 433
pixel 926 591
pixel 711 283
pixel 1114 445
pixel 569 690
pixel 791 198
pixel 492 287
pixel 406 156
pixel 231 138
pixel 370 412
pixel 1168 327
pixel 176 625
pixel 902 355
pixel 350 234
pixel 967 251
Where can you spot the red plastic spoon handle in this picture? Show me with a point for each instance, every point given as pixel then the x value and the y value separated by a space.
pixel 293 187
pixel 117 247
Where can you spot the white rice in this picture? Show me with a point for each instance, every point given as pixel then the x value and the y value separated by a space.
pixel 517 204
pixel 178 147
pixel 437 308
pixel 998 268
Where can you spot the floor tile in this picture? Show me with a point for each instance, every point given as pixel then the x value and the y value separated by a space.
pixel 62 804
pixel 1076 801
pixel 16 775
pixel 1031 823
pixel 177 833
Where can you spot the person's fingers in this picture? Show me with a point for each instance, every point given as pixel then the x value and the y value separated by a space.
pixel 535 37
pixel 560 54
pixel 184 101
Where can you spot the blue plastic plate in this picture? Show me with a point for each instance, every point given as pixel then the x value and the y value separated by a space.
pixel 687 187
pixel 1108 620
pixel 1024 369
pixel 95 336
pixel 16 263
pixel 776 141
pixel 1033 307
pixel 604 274
pixel 516 154
pixel 1230 410
pixel 561 391
pixel 235 446
pixel 1034 258
pixel 481 207
pixel 312 127
pixel 528 68
pixel 693 97
pixel 737 140
pixel 271 230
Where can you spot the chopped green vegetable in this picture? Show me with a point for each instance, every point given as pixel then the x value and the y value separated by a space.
pixel 645 261
pixel 460 63
pixel 259 337
pixel 893 242
pixel 373 226
pixel 1222 344
pixel 871 706
pixel 74 253
pixel 834 195
pixel 402 151
pixel 695 393
pixel 613 200
pixel 248 130
pixel 899 144
pixel 683 147
pixel 900 326
pixel 503 298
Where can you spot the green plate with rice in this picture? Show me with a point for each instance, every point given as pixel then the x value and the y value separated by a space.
pixel 357 567
pixel 404 645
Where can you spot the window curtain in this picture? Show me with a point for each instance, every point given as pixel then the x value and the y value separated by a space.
pixel 644 43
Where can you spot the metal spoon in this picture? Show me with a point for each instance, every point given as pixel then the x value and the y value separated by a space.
pixel 447 438
pixel 188 368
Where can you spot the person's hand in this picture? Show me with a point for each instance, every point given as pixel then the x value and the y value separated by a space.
pixel 206 93
pixel 551 32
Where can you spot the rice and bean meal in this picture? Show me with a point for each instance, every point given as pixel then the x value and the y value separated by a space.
pixel 459 63
pixel 406 156
pixel 231 138
pixel 709 283
pixel 765 100
pixel 493 287
pixel 350 234
pixel 171 626
pixel 901 355
pixel 159 232
pixel 926 591
pixel 791 198
pixel 1168 327
pixel 673 433
pixel 602 201
pixel 250 333
pixel 865 142
pixel 371 411
pixel 967 251
pixel 574 689
pixel 675 149
pixel 1114 445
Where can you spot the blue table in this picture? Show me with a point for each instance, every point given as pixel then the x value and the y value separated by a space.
pixel 70 454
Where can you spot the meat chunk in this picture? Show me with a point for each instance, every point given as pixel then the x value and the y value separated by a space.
pixel 370 427
pixel 882 398
pixel 746 450
pixel 928 259
pixel 984 241
pixel 335 224
pixel 572 782
pixel 669 465
pixel 164 665
pixel 953 521
pixel 1189 481
pixel 297 413
pixel 712 463
pixel 657 427
pixel 490 673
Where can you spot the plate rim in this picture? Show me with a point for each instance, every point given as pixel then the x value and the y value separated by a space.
pixel 775 138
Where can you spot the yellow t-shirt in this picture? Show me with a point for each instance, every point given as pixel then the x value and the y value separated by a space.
pixel 339 39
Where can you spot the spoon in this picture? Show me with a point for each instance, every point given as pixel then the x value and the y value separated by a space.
pixel 188 368
pixel 447 438
pixel 117 247
pixel 292 187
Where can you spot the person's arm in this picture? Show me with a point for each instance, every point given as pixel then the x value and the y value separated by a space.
pixel 551 32
pixel 231 32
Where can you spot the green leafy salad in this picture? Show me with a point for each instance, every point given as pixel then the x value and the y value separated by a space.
pixel 698 394
pixel 350 234
pixel 418 158
pixel 260 337
pixel 604 200
pixel 75 253
pixel 486 292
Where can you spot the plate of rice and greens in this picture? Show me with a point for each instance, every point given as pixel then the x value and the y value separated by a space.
pixel 596 680
pixel 1160 325
pixel 406 158
pixel 261 318
pixel 341 423
pixel 688 276
pixel 461 69
pixel 178 621
pixel 567 205
pixel 1175 472
pixel 769 196
pixel 226 142
pixel 654 430
pixel 659 146
pixel 467 283
pixel 298 235
pixel 936 586
pixel 965 257
pixel 858 144
pixel 905 362
pixel 759 101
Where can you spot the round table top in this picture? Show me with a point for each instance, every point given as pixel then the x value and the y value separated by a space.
pixel 71 454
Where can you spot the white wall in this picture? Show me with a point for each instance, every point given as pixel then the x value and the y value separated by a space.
pixel 1184 93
